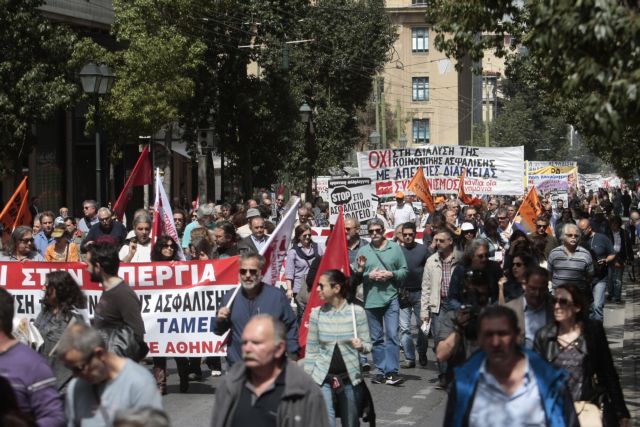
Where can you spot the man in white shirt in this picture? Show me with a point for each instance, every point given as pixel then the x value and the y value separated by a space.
pixel 139 247
pixel 402 212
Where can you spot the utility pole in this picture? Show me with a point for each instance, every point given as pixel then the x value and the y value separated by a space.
pixel 376 100
pixel 486 105
pixel 472 105
pixel 398 122
pixel 383 117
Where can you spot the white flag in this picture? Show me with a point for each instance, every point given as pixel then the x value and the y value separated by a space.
pixel 163 217
pixel 275 250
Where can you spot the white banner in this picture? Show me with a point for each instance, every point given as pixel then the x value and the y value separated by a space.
pixel 275 250
pixel 355 197
pixel 489 170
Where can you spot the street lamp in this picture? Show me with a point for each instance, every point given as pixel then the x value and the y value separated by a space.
pixel 306 116
pixel 374 140
pixel 97 80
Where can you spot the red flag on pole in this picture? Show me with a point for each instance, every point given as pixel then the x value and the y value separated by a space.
pixel 141 175
pixel 335 257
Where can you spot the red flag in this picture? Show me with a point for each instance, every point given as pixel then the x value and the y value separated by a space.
pixel 141 175
pixel 464 197
pixel 335 257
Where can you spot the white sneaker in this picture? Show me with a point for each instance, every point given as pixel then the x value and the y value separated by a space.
pixel 216 373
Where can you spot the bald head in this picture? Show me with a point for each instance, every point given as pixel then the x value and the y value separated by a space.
pixel 263 342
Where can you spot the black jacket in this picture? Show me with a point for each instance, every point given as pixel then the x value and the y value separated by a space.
pixel 626 248
pixel 597 365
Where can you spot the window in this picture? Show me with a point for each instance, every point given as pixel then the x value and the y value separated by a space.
pixel 420 131
pixel 418 2
pixel 420 89
pixel 420 39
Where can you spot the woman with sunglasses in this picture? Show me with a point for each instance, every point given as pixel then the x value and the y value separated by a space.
pixel 62 302
pixel 338 334
pixel 299 259
pixel 166 249
pixel 20 248
pixel 510 286
pixel 579 345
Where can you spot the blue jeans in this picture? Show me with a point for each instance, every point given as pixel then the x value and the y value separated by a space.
pixel 597 307
pixel 348 401
pixel 614 287
pixel 405 327
pixel 386 345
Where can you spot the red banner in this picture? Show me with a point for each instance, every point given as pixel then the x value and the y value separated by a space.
pixel 179 299
pixel 141 175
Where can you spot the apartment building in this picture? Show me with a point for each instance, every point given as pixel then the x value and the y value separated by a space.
pixel 431 101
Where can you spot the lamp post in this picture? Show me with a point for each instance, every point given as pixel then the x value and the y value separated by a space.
pixel 97 80
pixel 306 116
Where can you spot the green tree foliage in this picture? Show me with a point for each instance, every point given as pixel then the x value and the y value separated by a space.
pixel 35 79
pixel 585 57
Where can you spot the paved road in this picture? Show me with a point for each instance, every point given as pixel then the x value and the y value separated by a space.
pixel 416 402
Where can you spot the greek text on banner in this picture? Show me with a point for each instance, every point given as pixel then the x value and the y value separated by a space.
pixel 179 299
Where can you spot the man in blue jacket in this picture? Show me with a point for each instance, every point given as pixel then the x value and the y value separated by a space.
pixel 505 385
pixel 254 297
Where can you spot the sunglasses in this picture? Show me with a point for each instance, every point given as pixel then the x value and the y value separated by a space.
pixel 375 231
pixel 562 302
pixel 408 234
pixel 502 218
pixel 107 219
pixel 168 246
pixel 27 240
pixel 251 271
pixel 541 225
pixel 518 264
pixel 178 219
pixel 469 232
pixel 306 236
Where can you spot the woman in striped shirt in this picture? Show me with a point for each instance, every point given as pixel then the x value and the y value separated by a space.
pixel 338 331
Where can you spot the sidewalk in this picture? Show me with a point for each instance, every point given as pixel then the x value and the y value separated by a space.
pixel 629 364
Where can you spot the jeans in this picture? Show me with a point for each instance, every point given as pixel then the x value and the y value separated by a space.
pixel 348 401
pixel 614 287
pixel 597 307
pixel 405 327
pixel 386 345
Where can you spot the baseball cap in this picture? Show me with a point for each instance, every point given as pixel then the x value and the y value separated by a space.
pixel 466 226
pixel 57 232
pixel 399 195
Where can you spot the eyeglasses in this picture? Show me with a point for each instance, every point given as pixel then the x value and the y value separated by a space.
pixel 469 232
pixel 502 218
pixel 86 207
pixel 408 234
pixel 27 241
pixel 541 225
pixel 168 246
pixel 251 271
pixel 375 231
pixel 176 219
pixel 518 264
pixel 81 368
pixel 107 219
pixel 562 302
pixel 306 236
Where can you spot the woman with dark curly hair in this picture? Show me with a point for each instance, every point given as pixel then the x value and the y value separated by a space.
pixel 166 249
pixel 62 302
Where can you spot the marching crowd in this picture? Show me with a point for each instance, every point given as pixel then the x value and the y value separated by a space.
pixel 515 317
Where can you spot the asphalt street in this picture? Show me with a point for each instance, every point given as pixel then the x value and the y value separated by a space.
pixel 415 402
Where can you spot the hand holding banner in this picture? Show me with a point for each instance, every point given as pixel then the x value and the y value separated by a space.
pixel 420 186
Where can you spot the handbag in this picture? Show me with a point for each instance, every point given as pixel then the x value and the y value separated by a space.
pixel 589 414
pixel 122 341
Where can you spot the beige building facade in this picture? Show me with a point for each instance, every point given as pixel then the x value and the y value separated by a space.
pixel 430 100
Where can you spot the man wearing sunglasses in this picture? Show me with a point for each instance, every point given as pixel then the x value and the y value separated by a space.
pixel 106 226
pixel 105 383
pixel 254 297
pixel 571 263
pixel 541 235
pixel 382 268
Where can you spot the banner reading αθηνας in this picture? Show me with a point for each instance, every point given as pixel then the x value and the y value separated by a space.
pixel 489 170
pixel 179 299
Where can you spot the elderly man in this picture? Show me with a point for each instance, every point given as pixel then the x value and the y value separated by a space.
pixel 533 308
pixel 105 383
pixel 90 216
pixel 244 231
pixel 505 385
pixel 571 263
pixel 382 268
pixel 254 297
pixel 402 212
pixel 106 226
pixel 205 218
pixel 139 247
pixel 264 387
pixel 28 373
pixel 600 248
pixel 254 243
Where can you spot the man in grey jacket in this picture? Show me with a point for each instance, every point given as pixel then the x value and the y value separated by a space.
pixel 266 386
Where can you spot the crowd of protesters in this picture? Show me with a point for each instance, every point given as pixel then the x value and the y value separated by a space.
pixel 515 316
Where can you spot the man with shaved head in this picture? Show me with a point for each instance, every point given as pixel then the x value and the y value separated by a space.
pixel 265 388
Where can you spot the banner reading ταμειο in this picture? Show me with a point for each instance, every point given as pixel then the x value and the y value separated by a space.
pixel 179 299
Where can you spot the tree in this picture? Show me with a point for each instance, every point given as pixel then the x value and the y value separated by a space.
pixel 35 77
pixel 585 56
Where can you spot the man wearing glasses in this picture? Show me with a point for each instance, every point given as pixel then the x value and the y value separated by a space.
pixel 106 226
pixel 382 268
pixel 90 216
pixel 550 242
pixel 254 297
pixel 105 382
pixel 571 263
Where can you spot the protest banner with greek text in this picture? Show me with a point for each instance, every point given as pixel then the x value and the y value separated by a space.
pixel 355 197
pixel 489 170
